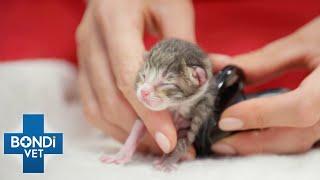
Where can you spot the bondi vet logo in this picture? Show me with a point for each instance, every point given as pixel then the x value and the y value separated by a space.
pixel 33 143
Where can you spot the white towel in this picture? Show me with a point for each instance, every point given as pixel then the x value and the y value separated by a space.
pixel 41 86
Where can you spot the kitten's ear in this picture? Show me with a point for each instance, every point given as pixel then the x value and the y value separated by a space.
pixel 146 55
pixel 199 74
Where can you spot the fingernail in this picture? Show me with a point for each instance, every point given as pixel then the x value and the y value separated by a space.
pixel 230 124
pixel 222 148
pixel 163 142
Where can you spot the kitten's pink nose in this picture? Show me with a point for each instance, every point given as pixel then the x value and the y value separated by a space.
pixel 146 90
pixel 145 93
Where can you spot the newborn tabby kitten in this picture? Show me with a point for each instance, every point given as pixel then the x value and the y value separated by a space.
pixel 177 76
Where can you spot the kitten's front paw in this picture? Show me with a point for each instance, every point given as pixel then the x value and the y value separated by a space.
pixel 165 164
pixel 119 158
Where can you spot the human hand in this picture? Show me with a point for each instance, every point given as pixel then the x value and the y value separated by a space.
pixel 110 49
pixel 281 124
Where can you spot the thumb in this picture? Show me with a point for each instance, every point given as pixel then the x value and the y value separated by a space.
pixel 283 110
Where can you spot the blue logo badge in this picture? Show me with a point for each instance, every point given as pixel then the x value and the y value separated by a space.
pixel 33 143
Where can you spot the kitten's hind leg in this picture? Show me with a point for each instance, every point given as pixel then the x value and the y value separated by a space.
pixel 127 150
pixel 168 162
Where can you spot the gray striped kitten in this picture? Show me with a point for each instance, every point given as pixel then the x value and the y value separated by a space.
pixel 177 76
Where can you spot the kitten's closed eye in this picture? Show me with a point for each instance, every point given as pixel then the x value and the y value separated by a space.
pixel 170 77
pixel 170 90
pixel 168 86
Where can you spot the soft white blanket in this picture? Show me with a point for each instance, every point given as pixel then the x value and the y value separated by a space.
pixel 41 86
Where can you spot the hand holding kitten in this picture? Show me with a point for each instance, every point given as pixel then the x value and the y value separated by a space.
pixel 291 120
pixel 110 48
